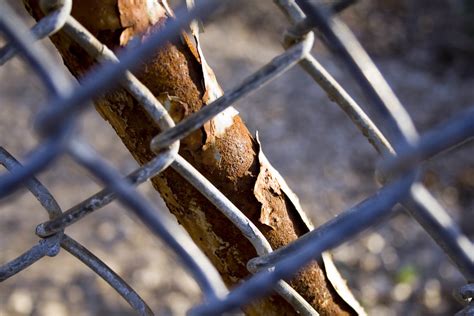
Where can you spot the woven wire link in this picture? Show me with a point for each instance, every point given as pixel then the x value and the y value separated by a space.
pixel 402 153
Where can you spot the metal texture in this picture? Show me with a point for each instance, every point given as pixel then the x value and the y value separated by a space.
pixel 402 153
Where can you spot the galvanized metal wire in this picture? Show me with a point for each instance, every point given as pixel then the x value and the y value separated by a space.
pixel 403 152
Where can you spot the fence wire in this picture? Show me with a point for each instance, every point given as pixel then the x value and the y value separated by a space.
pixel 402 153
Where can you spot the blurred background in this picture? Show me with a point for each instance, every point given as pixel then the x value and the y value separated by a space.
pixel 424 48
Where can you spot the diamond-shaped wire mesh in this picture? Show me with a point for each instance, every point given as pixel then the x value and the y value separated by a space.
pixel 403 151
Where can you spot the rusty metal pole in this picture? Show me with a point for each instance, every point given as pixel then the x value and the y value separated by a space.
pixel 223 150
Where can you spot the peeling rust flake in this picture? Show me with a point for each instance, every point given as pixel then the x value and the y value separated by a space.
pixel 136 16
pixel 340 285
pixel 266 189
pixel 212 90
pixel 269 181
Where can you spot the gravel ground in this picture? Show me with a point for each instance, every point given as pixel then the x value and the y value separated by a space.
pixel 393 269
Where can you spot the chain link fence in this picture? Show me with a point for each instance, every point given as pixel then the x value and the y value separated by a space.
pixel 402 152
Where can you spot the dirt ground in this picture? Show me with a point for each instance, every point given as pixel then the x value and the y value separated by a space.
pixel 393 269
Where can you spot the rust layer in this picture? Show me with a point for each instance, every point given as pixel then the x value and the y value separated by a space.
pixel 229 160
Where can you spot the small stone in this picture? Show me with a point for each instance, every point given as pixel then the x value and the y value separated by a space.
pixel 375 243
pixel 432 294
pixel 52 308
pixel 148 277
pixel 401 292
pixel 21 302
pixel 107 231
